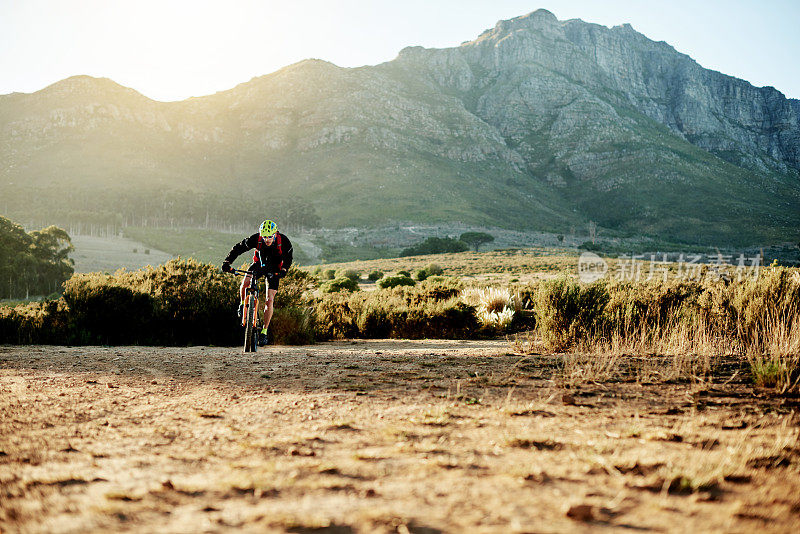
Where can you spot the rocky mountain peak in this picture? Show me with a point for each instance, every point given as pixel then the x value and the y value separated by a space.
pixel 82 84
pixel 538 18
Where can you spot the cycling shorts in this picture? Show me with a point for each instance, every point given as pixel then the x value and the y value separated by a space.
pixel 260 272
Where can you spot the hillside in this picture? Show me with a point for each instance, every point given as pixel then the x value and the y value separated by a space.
pixel 537 124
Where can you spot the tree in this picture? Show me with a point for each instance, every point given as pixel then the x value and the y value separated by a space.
pixel 35 263
pixel 476 239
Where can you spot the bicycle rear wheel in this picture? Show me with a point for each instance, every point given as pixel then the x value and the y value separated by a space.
pixel 250 344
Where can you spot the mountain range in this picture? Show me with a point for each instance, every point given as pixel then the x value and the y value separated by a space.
pixel 537 124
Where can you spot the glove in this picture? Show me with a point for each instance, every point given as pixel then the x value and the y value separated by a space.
pixel 226 267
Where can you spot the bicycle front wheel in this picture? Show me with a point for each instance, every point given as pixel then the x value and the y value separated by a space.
pixel 249 332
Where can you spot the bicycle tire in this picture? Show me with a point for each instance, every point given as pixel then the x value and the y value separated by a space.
pixel 249 334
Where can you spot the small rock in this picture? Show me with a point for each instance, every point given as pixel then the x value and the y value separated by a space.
pixel 294 451
pixel 581 512
pixel 568 399
pixel 154 382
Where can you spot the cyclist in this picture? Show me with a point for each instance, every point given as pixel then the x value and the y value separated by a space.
pixel 272 258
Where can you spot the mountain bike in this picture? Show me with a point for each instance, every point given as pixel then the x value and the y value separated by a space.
pixel 250 312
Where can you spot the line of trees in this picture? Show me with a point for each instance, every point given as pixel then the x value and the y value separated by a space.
pixel 106 211
pixel 34 263
pixel 443 245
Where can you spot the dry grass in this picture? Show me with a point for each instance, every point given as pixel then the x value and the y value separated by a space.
pixel 109 254
pixel 774 351
pixel 683 352
pixel 520 262
pixel 672 331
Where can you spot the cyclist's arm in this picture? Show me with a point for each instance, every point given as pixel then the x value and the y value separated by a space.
pixel 287 253
pixel 243 246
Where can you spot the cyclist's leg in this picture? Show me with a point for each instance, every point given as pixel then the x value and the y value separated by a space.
pixel 245 284
pixel 246 281
pixel 272 283
pixel 268 306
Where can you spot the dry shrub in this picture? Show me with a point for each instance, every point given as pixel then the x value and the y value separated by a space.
pixel 292 325
pixel 567 311
pixel 773 351
pixel 431 291
pixel 179 303
pixel 37 322
pixel 426 310
pixel 673 330
pixel 495 307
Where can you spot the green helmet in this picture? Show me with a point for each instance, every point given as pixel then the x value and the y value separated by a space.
pixel 267 228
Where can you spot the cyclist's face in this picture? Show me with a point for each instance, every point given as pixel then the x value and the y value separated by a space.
pixel 270 239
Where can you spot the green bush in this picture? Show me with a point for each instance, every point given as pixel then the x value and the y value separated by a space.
pixel 329 274
pixel 394 281
pixel 352 274
pixel 421 274
pixel 404 273
pixel 375 276
pixel 339 284
pixel 433 269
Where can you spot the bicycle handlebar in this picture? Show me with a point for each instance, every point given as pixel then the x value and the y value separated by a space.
pixel 242 272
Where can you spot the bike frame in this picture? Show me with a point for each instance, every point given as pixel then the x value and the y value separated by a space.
pixel 250 311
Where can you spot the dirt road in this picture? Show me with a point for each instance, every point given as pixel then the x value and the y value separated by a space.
pixel 379 436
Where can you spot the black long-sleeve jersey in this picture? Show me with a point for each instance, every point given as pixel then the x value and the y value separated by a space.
pixel 272 258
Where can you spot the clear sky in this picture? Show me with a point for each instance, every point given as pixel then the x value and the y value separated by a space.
pixel 173 49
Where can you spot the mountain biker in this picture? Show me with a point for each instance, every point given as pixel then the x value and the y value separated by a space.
pixel 272 258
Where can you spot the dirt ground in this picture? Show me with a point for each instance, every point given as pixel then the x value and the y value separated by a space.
pixel 380 436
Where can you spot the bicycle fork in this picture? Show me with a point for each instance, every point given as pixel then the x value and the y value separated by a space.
pixel 250 295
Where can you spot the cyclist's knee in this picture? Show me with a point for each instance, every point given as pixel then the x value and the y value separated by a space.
pixel 246 282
